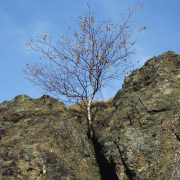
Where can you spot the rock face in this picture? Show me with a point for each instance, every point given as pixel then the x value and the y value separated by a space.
pixel 39 141
pixel 137 136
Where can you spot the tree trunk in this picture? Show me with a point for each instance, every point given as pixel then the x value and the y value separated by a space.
pixel 89 116
pixel 89 109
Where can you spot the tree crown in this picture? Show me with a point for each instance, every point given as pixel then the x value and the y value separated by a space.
pixel 81 63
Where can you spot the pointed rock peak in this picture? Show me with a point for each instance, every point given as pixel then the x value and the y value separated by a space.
pixel 142 127
pixel 165 67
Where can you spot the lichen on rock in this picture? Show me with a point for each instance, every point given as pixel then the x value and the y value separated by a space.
pixel 139 133
pixel 136 136
pixel 40 141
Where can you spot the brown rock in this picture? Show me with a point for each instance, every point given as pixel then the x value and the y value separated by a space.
pixel 139 134
pixel 38 140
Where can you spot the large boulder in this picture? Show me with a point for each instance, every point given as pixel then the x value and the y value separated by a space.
pixel 138 135
pixel 40 140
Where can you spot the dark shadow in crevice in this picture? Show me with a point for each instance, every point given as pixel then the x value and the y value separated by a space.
pixel 107 169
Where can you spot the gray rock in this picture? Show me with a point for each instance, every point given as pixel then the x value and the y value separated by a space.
pixel 139 134
pixel 136 136
pixel 40 140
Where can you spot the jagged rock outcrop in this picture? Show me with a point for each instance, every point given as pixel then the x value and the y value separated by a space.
pixel 138 136
pixel 40 140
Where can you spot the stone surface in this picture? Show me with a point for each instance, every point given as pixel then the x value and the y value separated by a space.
pixel 39 140
pixel 136 136
pixel 139 134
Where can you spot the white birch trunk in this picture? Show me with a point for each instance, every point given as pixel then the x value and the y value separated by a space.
pixel 89 110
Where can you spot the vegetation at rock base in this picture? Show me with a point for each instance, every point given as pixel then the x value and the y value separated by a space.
pixel 80 110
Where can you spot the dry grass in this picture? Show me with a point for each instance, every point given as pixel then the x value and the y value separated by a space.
pixel 82 108
pixel 110 99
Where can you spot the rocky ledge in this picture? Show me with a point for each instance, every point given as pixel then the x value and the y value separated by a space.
pixel 136 136
pixel 39 140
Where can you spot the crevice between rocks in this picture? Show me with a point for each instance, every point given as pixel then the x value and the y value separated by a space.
pixel 107 170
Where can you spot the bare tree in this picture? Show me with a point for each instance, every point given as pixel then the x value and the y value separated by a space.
pixel 80 64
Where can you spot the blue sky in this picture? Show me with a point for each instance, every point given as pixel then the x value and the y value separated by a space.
pixel 23 18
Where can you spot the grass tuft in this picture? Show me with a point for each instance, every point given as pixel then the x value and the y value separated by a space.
pixel 82 108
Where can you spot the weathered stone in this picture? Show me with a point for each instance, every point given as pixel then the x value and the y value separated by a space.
pixel 39 140
pixel 136 136
pixel 139 134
